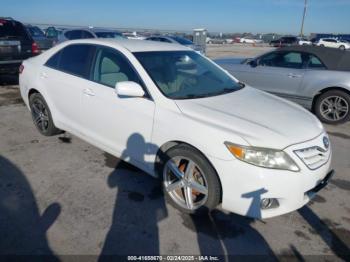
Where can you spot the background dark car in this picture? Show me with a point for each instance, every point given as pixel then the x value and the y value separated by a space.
pixel 285 41
pixel 39 37
pixel 83 33
pixel 176 40
pixel 16 45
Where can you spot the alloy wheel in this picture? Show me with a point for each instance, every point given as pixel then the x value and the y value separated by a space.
pixel 40 115
pixel 334 108
pixel 185 183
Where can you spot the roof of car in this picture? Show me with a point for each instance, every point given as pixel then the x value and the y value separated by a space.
pixel 103 30
pixel 332 58
pixel 135 45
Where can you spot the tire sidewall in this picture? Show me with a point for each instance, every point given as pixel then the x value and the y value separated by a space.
pixel 214 185
pixel 325 95
pixel 51 130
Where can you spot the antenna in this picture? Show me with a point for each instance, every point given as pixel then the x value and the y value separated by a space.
pixel 302 22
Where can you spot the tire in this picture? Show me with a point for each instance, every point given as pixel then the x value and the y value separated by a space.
pixel 342 47
pixel 333 107
pixel 41 115
pixel 322 45
pixel 203 176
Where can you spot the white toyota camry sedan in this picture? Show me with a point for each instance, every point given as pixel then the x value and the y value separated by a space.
pixel 177 115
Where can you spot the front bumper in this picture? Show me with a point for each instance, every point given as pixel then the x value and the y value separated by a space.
pixel 245 185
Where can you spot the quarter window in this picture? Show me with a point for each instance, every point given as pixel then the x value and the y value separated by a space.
pixel 111 68
pixel 315 63
pixel 54 60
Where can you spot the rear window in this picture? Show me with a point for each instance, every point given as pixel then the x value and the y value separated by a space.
pixel 12 30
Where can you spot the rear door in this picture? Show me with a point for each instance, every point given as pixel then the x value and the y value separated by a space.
pixel 121 124
pixel 15 42
pixel 65 77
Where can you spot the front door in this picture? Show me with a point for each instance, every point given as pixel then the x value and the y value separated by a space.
pixel 280 73
pixel 121 124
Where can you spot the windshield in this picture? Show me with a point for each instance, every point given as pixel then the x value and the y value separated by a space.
pixel 186 74
pixel 116 35
pixel 35 31
pixel 181 40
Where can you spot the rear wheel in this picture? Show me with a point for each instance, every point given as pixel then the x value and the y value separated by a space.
pixel 342 47
pixel 41 115
pixel 333 107
pixel 190 183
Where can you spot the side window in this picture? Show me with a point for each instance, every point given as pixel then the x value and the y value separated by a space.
pixel 111 67
pixel 86 34
pixel 315 63
pixel 76 59
pixel 54 60
pixel 282 59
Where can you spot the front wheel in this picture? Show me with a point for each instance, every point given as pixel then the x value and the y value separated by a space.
pixel 41 115
pixel 342 47
pixel 190 183
pixel 333 107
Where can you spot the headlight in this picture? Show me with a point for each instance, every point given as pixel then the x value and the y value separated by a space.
pixel 264 157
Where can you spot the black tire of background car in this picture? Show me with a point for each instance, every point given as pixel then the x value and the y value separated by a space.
pixel 52 129
pixel 214 185
pixel 317 107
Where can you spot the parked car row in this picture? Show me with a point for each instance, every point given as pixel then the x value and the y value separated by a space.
pixel 327 42
pixel 24 41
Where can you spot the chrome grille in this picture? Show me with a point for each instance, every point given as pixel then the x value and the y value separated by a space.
pixel 313 157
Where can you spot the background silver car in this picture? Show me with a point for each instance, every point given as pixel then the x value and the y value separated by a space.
pixel 317 78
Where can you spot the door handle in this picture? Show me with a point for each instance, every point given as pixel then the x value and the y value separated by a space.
pixel 88 92
pixel 43 75
pixel 291 75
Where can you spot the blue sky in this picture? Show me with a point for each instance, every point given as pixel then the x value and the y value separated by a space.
pixel 281 16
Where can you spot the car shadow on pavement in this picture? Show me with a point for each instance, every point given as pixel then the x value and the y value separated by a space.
pixel 139 206
pixel 22 228
pixel 337 239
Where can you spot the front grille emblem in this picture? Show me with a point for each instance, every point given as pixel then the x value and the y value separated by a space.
pixel 326 142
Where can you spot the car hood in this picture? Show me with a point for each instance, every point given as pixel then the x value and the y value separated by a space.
pixel 261 119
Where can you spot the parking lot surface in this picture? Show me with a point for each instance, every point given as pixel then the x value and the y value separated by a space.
pixel 59 195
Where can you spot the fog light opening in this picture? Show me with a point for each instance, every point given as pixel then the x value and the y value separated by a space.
pixel 267 203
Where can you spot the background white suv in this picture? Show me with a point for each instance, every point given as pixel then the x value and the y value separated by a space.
pixel 331 42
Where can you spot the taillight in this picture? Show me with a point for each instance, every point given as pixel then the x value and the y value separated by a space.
pixel 21 68
pixel 35 48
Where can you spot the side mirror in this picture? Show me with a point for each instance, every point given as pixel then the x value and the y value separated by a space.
pixel 129 89
pixel 253 63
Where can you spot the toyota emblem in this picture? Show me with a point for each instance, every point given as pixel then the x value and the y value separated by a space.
pixel 326 142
